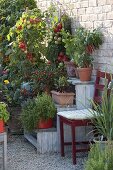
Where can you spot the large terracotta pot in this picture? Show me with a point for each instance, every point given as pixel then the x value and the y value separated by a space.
pixel 71 69
pixel 45 124
pixel 63 98
pixel 1 126
pixel 85 73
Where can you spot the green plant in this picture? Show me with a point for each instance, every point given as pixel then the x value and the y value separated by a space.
pixel 41 107
pixel 81 45
pixel 61 84
pixel 103 115
pixel 10 12
pixel 100 159
pixel 4 114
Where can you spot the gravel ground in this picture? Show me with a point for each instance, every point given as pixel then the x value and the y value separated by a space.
pixel 23 156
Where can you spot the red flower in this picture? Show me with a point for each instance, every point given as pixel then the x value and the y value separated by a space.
pixel 32 21
pixel 49 62
pixel 19 27
pixel 29 56
pixel 22 45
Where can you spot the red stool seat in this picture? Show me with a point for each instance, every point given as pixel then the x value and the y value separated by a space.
pixel 74 119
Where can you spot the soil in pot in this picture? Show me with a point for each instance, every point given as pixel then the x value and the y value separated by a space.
pixel 45 124
pixel 85 73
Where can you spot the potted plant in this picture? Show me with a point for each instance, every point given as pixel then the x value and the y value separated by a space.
pixel 100 159
pixel 38 113
pixel 62 95
pixel 80 47
pixel 4 116
pixel 102 117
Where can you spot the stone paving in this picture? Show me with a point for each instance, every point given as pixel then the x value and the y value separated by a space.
pixel 23 156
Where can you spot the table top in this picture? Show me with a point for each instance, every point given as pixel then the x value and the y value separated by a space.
pixel 75 81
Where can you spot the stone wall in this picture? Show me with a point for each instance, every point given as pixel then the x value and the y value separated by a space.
pixel 91 14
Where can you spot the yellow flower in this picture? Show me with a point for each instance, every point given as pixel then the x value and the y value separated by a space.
pixel 6 82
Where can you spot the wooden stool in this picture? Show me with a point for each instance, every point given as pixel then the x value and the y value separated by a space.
pixel 3 138
pixel 74 119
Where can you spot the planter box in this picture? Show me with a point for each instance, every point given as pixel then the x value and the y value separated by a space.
pixel 63 98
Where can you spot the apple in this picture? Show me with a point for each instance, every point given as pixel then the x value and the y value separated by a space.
pixel 56 42
pixel 55 38
pixel 59 26
pixel 59 39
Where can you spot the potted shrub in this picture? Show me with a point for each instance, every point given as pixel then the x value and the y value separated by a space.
pixel 80 47
pixel 100 159
pixel 62 95
pixel 38 113
pixel 4 116
pixel 103 117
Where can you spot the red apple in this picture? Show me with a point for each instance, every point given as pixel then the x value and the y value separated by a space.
pixel 59 26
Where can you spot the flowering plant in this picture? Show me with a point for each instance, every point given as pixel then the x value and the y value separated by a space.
pixel 27 38
pixel 45 76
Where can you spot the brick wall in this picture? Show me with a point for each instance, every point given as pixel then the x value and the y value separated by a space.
pixel 91 14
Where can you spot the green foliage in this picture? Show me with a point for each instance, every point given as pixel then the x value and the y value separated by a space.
pixel 4 114
pixel 99 159
pixel 81 45
pixel 42 107
pixel 61 84
pixel 10 11
pixel 103 117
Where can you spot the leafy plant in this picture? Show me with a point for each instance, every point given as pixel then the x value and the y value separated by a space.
pixel 103 117
pixel 41 107
pixel 61 84
pixel 81 45
pixel 10 12
pixel 4 114
pixel 100 159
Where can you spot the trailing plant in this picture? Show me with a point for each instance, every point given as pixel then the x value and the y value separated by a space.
pixel 4 114
pixel 100 159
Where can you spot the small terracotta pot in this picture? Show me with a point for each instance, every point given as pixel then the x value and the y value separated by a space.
pixel 85 73
pixel 1 126
pixel 63 98
pixel 45 124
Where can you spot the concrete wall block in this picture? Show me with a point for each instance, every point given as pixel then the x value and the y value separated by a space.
pixel 110 15
pixel 109 2
pixel 85 17
pixel 93 17
pixel 101 2
pixel 92 3
pixel 106 8
pixel 102 16
pixel 89 25
pixel 84 4
pixel 81 11
pixel 98 10
pixel 107 23
pixel 89 10
pixel 98 24
pixel 67 1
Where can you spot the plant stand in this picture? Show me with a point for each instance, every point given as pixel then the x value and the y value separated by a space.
pixel 45 140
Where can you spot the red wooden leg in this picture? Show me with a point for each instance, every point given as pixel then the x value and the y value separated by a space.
pixel 62 137
pixel 73 145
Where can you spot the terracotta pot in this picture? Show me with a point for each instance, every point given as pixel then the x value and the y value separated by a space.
pixel 1 126
pixel 45 124
pixel 63 98
pixel 85 73
pixel 71 69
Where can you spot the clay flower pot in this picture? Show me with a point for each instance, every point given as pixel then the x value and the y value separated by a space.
pixel 63 98
pixel 85 73
pixel 1 126
pixel 45 124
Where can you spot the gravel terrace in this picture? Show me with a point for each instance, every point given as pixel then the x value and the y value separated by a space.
pixel 23 156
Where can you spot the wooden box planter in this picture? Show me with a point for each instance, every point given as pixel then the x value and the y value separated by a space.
pixel 14 123
pixel 63 98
